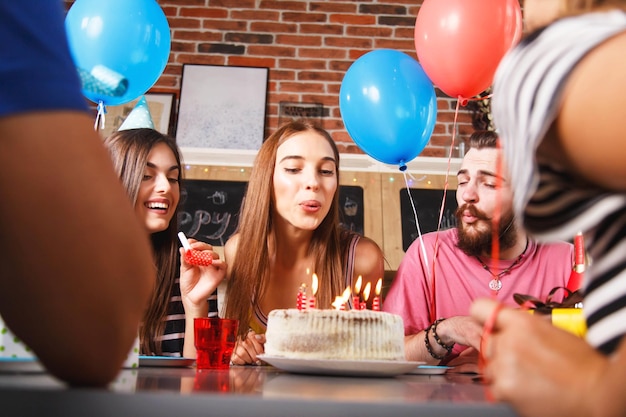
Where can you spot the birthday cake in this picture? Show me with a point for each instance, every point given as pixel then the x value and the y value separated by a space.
pixel 334 334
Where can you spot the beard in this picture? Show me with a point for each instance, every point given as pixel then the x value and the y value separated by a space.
pixel 476 239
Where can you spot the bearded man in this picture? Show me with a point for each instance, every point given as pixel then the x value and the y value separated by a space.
pixel 442 273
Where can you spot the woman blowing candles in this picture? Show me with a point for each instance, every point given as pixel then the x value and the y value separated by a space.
pixel 558 102
pixel 148 164
pixel 288 229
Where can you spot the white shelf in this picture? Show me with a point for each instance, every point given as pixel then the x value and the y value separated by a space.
pixel 349 162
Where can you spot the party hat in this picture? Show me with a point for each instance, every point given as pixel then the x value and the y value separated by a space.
pixel 138 117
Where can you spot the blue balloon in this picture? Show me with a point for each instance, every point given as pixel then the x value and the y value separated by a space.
pixel 121 44
pixel 388 106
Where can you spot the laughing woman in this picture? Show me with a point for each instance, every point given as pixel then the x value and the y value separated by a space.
pixel 149 165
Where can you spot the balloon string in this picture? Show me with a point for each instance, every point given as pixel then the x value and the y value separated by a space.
pixel 446 183
pixel 433 303
pixel 417 223
pixel 100 116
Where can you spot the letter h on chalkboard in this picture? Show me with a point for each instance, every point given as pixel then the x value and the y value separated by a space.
pixel 209 209
pixel 428 206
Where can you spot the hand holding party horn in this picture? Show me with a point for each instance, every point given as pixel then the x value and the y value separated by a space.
pixel 192 256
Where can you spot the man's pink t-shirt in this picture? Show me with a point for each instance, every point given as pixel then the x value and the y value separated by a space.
pixel 460 279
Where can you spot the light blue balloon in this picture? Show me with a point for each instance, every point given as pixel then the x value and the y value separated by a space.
pixel 388 106
pixel 126 41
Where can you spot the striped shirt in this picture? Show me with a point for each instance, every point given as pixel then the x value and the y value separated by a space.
pixel 527 95
pixel 174 333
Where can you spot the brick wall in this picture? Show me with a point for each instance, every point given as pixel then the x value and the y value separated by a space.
pixel 308 46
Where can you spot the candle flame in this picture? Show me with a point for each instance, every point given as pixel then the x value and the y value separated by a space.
pixel 366 291
pixel 357 285
pixel 341 300
pixel 346 294
pixel 337 303
pixel 314 283
pixel 379 286
pixel 308 271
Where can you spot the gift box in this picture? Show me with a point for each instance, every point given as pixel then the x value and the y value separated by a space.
pixel 126 381
pixel 567 315
pixel 11 346
pixel 132 360
pixel 570 319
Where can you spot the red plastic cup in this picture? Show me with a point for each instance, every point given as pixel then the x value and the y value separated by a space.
pixel 214 339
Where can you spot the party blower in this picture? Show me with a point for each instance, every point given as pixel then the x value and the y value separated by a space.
pixel 192 256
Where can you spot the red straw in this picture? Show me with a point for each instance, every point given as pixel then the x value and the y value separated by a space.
pixel 487 331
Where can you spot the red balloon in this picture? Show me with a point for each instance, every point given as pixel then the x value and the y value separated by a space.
pixel 460 43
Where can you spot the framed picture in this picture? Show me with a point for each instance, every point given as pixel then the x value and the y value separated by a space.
pixel 159 104
pixel 222 107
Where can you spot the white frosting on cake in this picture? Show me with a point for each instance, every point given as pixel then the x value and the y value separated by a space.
pixel 333 334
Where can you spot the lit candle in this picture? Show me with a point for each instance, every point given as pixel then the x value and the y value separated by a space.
pixel 301 298
pixel 313 291
pixel 376 300
pixel 340 300
pixel 338 303
pixel 366 295
pixel 356 300
pixel 304 301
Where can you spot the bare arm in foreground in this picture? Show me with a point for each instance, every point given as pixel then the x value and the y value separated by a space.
pixel 76 267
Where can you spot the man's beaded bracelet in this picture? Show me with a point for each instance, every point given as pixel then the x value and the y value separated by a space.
pixel 438 339
pixel 429 348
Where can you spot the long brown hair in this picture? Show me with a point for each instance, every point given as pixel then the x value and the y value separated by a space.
pixel 129 150
pixel 251 269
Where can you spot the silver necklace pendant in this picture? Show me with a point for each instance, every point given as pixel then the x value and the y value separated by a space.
pixel 495 284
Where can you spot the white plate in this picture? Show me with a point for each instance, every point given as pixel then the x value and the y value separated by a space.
pixel 167 361
pixel 430 370
pixel 340 367
pixel 20 365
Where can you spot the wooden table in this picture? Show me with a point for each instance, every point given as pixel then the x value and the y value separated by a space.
pixel 247 391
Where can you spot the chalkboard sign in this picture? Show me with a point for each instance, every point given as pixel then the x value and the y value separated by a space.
pixel 428 205
pixel 209 209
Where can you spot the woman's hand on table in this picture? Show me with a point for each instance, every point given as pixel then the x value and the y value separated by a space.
pixel 247 349
pixel 528 362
